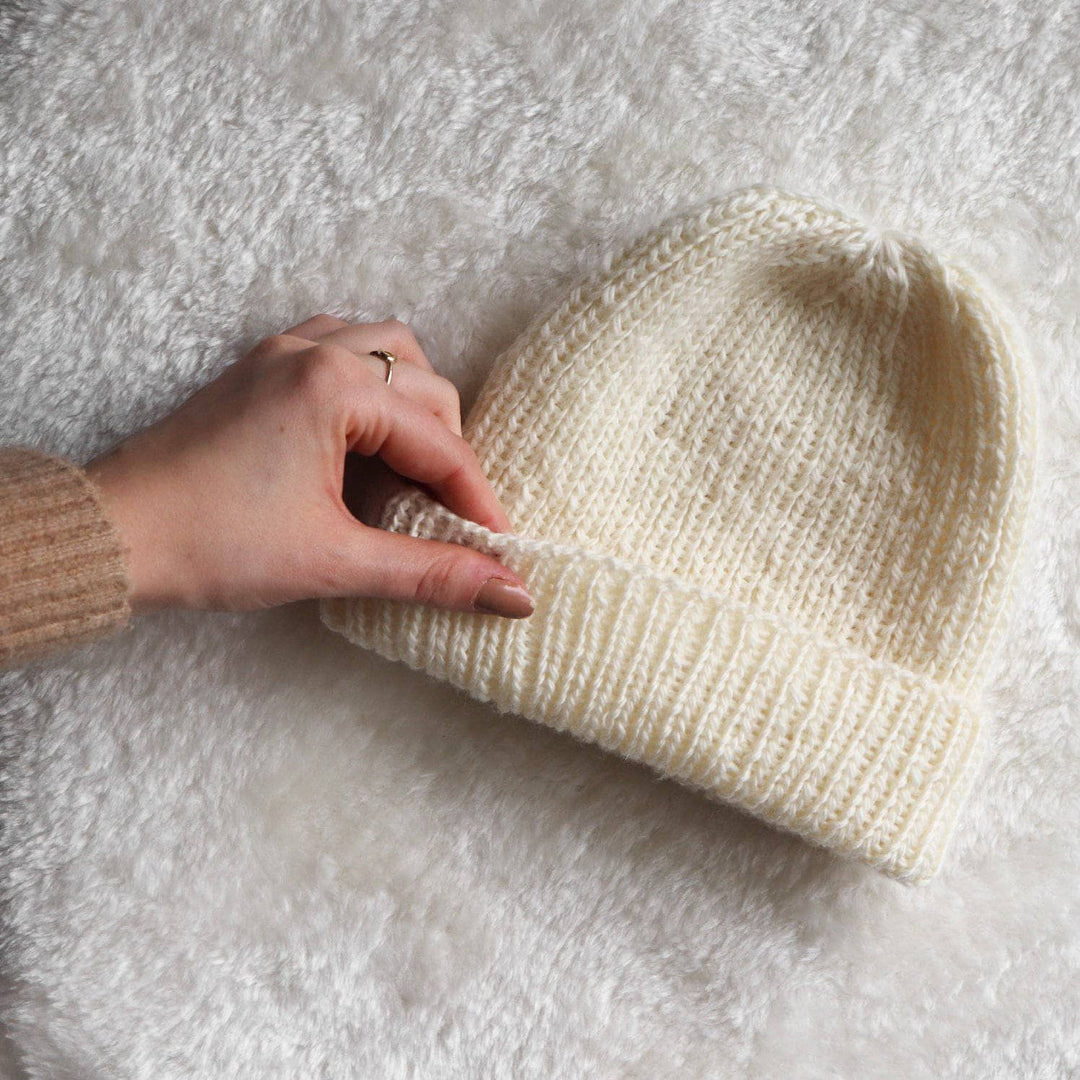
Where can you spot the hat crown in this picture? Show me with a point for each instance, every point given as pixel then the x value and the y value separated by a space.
pixel 773 400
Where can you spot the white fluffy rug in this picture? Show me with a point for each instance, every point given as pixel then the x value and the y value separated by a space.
pixel 238 847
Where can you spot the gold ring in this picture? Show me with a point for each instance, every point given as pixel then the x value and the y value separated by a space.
pixel 390 359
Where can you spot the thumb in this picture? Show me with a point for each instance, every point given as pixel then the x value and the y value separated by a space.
pixel 399 567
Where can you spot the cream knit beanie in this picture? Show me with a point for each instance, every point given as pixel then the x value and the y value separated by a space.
pixel 768 474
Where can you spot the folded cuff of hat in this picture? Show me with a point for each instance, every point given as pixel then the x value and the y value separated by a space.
pixel 854 754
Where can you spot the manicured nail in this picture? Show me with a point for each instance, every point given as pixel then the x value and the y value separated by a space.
pixel 502 597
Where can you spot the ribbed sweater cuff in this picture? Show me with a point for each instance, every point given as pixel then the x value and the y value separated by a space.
pixel 63 575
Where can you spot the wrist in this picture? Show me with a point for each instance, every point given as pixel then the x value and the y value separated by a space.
pixel 134 507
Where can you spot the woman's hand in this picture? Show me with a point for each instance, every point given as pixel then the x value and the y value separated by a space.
pixel 234 501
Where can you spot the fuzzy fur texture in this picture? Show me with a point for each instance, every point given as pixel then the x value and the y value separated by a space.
pixel 235 846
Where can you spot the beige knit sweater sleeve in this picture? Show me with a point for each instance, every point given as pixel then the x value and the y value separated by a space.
pixel 63 574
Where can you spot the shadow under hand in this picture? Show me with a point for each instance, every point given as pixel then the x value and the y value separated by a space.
pixel 368 484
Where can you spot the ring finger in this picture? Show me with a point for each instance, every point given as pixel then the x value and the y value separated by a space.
pixel 425 388
pixel 413 375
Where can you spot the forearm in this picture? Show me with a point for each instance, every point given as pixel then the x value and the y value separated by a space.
pixel 63 576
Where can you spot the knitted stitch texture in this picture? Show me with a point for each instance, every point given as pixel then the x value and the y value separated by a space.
pixel 63 571
pixel 768 473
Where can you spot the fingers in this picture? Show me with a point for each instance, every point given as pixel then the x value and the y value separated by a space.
pixel 436 394
pixel 393 336
pixel 415 444
pixel 399 567
pixel 413 438
pixel 414 377
pixel 361 338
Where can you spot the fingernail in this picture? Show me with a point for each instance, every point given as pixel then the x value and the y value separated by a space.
pixel 502 597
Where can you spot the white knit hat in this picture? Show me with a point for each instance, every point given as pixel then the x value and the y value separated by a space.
pixel 768 473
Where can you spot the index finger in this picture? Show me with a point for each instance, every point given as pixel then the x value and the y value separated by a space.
pixel 416 444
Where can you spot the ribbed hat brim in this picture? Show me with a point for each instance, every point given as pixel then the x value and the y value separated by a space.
pixel 860 756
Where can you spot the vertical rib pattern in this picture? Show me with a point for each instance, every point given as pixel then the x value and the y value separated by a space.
pixel 63 579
